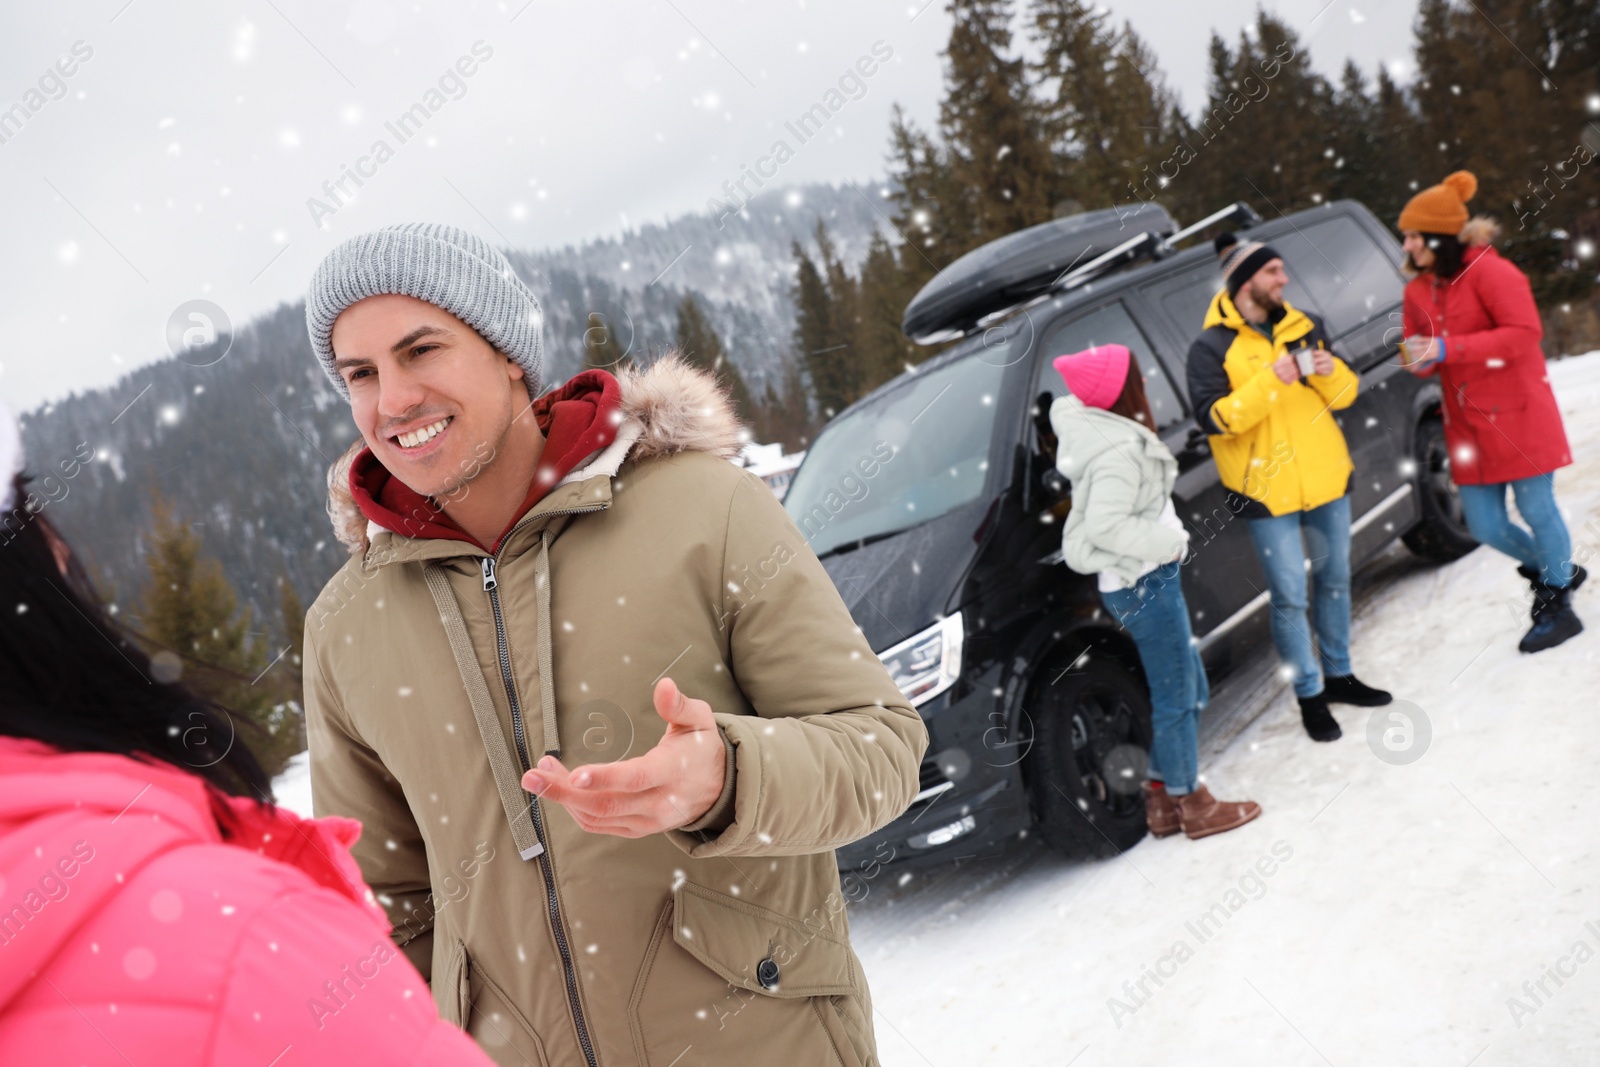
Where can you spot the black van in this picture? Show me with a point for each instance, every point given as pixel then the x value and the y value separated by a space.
pixel 936 508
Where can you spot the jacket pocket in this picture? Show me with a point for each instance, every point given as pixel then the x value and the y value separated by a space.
pixel 450 992
pixel 1507 400
pixel 1483 404
pixel 474 1002
pixel 731 980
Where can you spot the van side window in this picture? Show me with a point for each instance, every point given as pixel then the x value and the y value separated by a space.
pixel 1106 325
pixel 1354 280
pixel 1186 297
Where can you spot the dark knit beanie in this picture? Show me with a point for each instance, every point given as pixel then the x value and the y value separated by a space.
pixel 1241 260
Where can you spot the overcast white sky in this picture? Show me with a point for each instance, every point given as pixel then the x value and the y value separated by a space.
pixel 176 162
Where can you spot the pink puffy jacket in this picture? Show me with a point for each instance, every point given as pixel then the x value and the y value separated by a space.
pixel 131 932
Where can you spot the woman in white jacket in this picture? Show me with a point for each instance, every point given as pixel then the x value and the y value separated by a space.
pixel 1122 526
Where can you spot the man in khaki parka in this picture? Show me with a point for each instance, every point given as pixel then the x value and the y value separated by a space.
pixel 598 707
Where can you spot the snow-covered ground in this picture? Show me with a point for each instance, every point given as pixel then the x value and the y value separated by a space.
pixel 292 788
pixel 1377 913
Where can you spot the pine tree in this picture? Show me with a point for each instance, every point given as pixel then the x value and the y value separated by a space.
pixel 825 325
pixel 190 615
pixel 287 674
pixel 601 349
pixel 994 137
pixel 1107 110
pixel 783 415
pixel 1360 170
pixel 1502 90
pixel 926 197
pixel 1397 136
pixel 844 293
pixel 883 293
pixel 1264 133
pixel 700 346
pixel 990 172
pixel 292 619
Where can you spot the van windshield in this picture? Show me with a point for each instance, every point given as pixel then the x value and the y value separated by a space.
pixel 912 454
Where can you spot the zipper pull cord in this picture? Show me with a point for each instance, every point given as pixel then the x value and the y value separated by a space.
pixel 547 671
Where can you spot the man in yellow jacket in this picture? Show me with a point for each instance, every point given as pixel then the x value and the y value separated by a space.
pixel 1262 381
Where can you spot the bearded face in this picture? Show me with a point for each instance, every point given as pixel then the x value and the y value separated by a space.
pixel 1265 287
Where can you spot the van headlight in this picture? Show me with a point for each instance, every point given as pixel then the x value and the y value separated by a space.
pixel 929 663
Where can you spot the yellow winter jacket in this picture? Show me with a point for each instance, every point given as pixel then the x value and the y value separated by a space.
pixel 1274 443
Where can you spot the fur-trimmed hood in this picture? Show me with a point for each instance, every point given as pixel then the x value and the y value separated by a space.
pixel 1479 231
pixel 666 407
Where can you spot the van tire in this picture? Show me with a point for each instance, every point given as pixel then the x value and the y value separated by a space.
pixel 1441 535
pixel 1082 708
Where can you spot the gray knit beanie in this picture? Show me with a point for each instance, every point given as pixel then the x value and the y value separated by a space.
pixel 450 269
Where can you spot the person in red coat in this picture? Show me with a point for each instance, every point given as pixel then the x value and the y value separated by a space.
pixel 1471 320
pixel 155 907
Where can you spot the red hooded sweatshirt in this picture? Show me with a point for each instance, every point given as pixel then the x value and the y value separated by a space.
pixel 577 419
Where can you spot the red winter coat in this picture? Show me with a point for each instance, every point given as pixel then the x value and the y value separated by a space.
pixel 1501 421
pixel 131 932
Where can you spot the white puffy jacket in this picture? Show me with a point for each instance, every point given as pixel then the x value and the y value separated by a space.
pixel 1121 477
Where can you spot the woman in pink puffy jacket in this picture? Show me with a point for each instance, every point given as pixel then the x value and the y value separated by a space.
pixel 153 908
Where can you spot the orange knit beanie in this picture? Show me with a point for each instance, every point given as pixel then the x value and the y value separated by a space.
pixel 1441 208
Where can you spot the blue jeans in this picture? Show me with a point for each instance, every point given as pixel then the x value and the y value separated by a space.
pixel 1154 612
pixel 1283 557
pixel 1548 549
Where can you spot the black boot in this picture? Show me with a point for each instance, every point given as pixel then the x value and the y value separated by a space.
pixel 1319 721
pixel 1348 689
pixel 1553 618
pixel 1579 573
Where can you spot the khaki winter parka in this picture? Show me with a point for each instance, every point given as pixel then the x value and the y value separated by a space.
pixel 433 676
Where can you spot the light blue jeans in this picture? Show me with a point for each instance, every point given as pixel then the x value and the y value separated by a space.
pixel 1548 549
pixel 1278 541
pixel 1153 611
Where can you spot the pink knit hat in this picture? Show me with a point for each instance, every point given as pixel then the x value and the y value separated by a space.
pixel 1097 376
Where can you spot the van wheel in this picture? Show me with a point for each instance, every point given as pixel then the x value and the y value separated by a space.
pixel 1088 760
pixel 1442 534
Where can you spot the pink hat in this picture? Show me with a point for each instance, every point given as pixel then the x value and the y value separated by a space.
pixel 1097 376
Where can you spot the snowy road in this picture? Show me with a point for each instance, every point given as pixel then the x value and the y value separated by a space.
pixel 1375 914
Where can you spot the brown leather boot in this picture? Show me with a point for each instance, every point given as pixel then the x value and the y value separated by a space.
pixel 1160 812
pixel 1201 814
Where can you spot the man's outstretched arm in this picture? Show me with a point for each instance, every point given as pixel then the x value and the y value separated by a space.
pixel 830 754
pixel 833 749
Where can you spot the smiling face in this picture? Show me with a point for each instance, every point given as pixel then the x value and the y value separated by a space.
pixel 434 401
pixel 1416 246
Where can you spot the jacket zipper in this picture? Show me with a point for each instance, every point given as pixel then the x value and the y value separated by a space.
pixel 491 585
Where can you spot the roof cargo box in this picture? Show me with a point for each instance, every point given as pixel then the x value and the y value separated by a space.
pixel 1021 266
